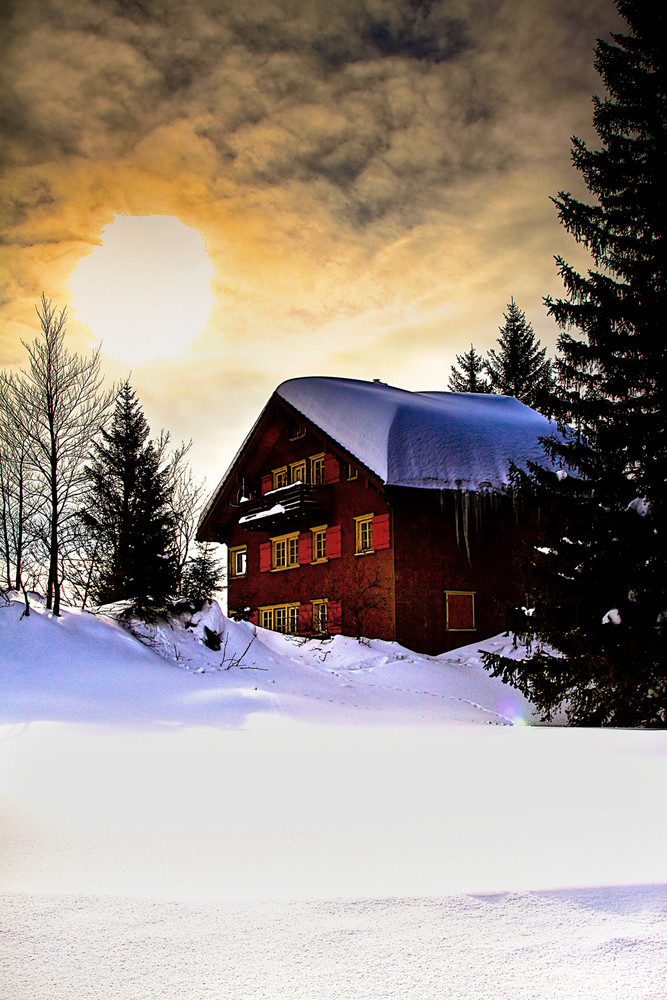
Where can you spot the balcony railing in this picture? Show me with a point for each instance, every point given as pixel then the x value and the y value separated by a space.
pixel 289 506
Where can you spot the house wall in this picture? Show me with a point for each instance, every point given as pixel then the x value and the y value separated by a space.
pixel 431 561
pixel 363 585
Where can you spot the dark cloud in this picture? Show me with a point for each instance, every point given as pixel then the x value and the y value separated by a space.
pixel 368 116
pixel 93 78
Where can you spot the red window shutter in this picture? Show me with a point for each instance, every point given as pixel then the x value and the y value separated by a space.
pixel 461 612
pixel 381 531
pixel 334 548
pixel 334 617
pixel 267 484
pixel 305 618
pixel 265 557
pixel 331 469
pixel 305 548
pixel 254 617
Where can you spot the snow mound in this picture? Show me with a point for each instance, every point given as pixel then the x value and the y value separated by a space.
pixel 201 668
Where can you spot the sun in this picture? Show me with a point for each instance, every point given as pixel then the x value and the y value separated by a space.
pixel 145 292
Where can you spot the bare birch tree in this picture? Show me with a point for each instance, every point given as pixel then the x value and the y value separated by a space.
pixel 56 408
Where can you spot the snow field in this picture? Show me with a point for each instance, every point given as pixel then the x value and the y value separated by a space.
pixel 319 820
pixel 564 945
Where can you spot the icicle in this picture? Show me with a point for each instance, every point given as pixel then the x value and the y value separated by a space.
pixel 466 523
pixel 457 515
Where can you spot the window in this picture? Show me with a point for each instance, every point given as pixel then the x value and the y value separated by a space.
pixel 297 472
pixel 279 477
pixel 238 561
pixel 460 611
pixel 280 618
pixel 296 431
pixel 363 534
pixel 285 551
pixel 319 544
pixel 320 615
pixel 352 473
pixel 317 469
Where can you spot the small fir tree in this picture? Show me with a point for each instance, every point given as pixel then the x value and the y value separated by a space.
pixel 469 376
pixel 130 513
pixel 597 628
pixel 202 574
pixel 520 366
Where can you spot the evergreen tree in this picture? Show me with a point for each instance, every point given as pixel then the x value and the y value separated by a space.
pixel 520 366
pixel 130 512
pixel 598 582
pixel 202 574
pixel 469 376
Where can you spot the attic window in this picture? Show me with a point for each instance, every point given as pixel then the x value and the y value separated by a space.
pixel 296 431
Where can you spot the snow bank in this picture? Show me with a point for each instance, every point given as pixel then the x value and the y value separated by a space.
pixel 203 669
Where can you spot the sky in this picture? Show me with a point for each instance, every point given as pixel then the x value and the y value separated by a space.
pixel 230 195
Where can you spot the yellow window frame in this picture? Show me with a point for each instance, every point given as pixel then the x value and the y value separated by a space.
pixel 285 552
pixel 320 532
pixel 297 471
pixel 316 465
pixel 320 620
pixel 460 593
pixel 268 617
pixel 280 477
pixel 237 550
pixel 363 535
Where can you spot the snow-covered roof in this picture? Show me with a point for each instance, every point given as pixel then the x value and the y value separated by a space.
pixel 437 440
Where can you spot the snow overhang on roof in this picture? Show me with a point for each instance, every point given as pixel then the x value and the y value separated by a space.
pixel 436 440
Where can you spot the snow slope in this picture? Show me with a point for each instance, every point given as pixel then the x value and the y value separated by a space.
pixel 84 667
pixel 312 820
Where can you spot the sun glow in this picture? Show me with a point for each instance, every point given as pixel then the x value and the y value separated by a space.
pixel 145 291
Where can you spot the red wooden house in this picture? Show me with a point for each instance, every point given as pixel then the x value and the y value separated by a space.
pixel 360 508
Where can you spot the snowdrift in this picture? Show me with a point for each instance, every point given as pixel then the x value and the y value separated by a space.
pixel 85 667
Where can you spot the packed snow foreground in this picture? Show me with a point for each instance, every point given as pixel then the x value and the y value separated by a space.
pixel 325 819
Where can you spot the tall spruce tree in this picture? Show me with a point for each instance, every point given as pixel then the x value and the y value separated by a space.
pixel 130 515
pixel 469 375
pixel 597 583
pixel 520 366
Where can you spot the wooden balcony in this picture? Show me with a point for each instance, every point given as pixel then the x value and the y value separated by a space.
pixel 290 506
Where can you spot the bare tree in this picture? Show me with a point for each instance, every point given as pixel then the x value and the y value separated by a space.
pixel 56 407
pixel 21 503
pixel 187 496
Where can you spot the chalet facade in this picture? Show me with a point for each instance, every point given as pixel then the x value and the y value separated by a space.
pixel 360 508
